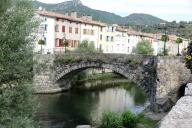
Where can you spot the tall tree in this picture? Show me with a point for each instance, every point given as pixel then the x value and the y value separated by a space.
pixel 164 38
pixel 179 41
pixel 41 42
pixel 16 41
pixel 16 63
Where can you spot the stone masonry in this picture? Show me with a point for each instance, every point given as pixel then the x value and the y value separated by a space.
pixel 158 76
pixel 181 114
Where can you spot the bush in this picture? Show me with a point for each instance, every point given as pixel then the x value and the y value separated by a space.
pixel 129 119
pixel 17 107
pixel 110 120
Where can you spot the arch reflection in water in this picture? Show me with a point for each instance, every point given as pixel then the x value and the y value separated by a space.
pixel 85 107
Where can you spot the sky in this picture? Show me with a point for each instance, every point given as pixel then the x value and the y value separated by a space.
pixel 179 10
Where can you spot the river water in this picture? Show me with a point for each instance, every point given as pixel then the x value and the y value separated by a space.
pixel 78 107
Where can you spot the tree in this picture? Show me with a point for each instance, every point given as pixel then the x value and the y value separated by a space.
pixel 164 38
pixel 16 63
pixel 86 46
pixel 178 41
pixel 144 47
pixel 41 42
pixel 66 44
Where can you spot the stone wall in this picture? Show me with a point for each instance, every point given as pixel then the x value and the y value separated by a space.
pixel 160 77
pixel 180 115
pixel 171 73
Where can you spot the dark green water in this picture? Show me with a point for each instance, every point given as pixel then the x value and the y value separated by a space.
pixel 78 107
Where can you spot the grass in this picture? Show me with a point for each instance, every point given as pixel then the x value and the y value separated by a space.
pixel 127 119
pixel 146 122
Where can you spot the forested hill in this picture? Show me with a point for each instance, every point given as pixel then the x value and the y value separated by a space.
pixel 107 17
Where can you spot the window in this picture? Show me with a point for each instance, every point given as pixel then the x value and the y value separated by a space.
pixel 128 40
pixel 56 28
pixel 112 38
pixel 57 42
pixel 107 38
pixel 84 31
pixel 45 27
pixel 63 28
pixel 60 42
pixel 70 29
pixel 45 39
pixel 101 29
pixel 92 32
pixel 76 30
pixel 128 49
pixel 101 37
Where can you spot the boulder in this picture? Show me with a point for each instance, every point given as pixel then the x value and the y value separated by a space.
pixel 188 89
pixel 163 105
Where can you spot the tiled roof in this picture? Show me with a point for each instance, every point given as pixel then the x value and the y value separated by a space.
pixel 62 16
pixel 121 29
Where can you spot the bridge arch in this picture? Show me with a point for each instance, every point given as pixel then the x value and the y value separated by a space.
pixel 65 73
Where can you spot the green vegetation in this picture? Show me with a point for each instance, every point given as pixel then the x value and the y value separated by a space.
pixel 179 41
pixel 17 106
pixel 86 47
pixel 97 76
pixel 110 120
pixel 127 119
pixel 144 47
pixel 41 42
pixel 165 38
pixel 16 57
pixel 188 57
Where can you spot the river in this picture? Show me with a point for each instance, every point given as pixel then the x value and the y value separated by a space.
pixel 79 106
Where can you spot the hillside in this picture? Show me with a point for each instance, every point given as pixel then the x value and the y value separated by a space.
pixel 77 5
pixel 142 19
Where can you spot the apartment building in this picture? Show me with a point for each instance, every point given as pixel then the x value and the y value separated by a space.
pixel 56 27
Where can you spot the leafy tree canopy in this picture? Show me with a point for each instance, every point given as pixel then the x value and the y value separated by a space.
pixel 179 40
pixel 86 46
pixel 144 47
pixel 165 38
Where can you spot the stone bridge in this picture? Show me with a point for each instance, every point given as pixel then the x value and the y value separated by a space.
pixel 156 75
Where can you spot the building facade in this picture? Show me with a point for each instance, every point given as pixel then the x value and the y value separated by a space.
pixel 56 28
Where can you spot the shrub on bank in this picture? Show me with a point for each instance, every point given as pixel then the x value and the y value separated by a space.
pixel 110 120
pixel 129 119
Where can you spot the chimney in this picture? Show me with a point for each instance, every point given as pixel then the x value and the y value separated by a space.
pixel 87 18
pixel 74 14
pixel 40 8
pixel 67 14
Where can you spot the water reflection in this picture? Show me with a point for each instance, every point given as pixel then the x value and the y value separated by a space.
pixel 75 107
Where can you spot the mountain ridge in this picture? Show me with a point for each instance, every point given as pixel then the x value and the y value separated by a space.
pixel 104 16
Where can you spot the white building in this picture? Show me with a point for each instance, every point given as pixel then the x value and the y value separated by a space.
pixel 56 27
